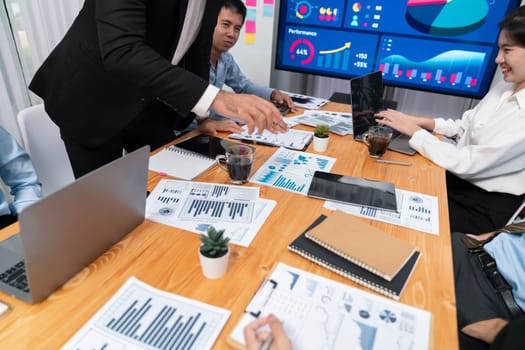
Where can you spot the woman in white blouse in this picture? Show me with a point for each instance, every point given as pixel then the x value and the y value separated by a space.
pixel 486 164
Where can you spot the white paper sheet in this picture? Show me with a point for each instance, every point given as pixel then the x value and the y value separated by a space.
pixel 194 206
pixel 291 170
pixel 417 211
pixel 339 123
pixel 180 163
pixel 305 101
pixel 293 139
pixel 318 313
pixel 139 316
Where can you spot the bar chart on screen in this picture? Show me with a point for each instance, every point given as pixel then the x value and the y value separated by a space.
pixel 140 316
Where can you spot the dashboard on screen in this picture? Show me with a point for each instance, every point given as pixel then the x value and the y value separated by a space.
pixel 445 46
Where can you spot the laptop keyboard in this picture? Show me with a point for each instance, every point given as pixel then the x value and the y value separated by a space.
pixel 16 277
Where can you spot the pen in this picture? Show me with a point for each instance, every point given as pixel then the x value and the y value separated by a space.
pixel 392 162
pixel 255 142
pixel 267 342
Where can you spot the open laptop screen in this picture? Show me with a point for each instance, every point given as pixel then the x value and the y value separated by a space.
pixel 367 99
pixel 68 229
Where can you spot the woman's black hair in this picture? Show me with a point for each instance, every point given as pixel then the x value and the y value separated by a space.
pixel 514 25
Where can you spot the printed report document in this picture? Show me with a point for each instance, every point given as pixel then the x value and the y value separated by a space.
pixel 319 313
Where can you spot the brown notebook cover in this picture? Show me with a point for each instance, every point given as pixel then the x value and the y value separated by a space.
pixel 362 244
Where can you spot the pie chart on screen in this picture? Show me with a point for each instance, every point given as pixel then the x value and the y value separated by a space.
pixel 446 17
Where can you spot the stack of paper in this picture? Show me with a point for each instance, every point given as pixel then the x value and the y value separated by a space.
pixel 305 101
pixel 291 170
pixel 339 123
pixel 293 139
pixel 139 316
pixel 194 206
pixel 319 313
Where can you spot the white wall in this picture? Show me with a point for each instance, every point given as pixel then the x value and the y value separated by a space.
pixel 255 60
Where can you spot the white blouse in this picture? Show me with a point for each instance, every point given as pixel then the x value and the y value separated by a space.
pixel 490 142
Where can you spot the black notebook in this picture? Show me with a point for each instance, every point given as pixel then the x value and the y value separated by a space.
pixel 322 256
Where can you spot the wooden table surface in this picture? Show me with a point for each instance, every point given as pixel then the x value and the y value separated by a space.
pixel 166 257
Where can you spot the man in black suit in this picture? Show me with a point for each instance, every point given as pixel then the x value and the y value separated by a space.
pixel 129 71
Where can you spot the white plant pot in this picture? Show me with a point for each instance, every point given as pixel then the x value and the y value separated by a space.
pixel 214 268
pixel 321 143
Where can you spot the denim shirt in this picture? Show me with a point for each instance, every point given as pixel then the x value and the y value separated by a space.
pixel 18 173
pixel 509 252
pixel 229 73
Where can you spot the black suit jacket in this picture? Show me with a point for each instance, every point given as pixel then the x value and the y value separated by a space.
pixel 115 61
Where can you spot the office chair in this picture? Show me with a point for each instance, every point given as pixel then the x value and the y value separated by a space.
pixel 519 215
pixel 41 138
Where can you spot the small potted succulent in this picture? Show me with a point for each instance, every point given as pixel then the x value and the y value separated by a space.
pixel 214 253
pixel 321 137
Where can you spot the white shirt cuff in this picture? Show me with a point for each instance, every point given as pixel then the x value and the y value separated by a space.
pixel 419 138
pixel 440 126
pixel 204 103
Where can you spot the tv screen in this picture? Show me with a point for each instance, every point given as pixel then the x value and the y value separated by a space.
pixel 444 46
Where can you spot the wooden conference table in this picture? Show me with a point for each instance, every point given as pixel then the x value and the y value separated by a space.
pixel 166 257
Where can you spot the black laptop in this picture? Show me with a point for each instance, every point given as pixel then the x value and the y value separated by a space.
pixel 367 99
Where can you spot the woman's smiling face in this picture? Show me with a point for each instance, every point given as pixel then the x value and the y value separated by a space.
pixel 511 59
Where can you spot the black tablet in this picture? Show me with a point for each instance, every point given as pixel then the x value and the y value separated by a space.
pixel 353 190
pixel 208 146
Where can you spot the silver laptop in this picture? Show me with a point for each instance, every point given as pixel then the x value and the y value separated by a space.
pixel 367 99
pixel 65 231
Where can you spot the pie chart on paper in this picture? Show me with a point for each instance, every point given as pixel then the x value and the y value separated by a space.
pixel 446 17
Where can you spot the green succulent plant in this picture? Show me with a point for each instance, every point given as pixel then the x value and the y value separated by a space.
pixel 214 244
pixel 322 130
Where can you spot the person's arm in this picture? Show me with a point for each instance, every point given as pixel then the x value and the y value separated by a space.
pixel 122 31
pixel 512 336
pixel 125 52
pixel 254 111
pixel 212 127
pixel 485 330
pixel 18 173
pixel 407 124
pixel 502 154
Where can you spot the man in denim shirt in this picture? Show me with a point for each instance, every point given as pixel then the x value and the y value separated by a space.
pixel 18 173
pixel 225 71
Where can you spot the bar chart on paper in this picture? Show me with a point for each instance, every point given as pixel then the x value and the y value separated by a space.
pixel 140 316
pixel 291 170
pixel 194 206
pixel 203 201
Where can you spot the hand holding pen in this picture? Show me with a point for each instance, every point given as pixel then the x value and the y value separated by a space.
pixel 257 339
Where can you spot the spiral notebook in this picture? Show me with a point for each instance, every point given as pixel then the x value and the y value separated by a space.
pixel 314 252
pixel 190 158
pixel 362 244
